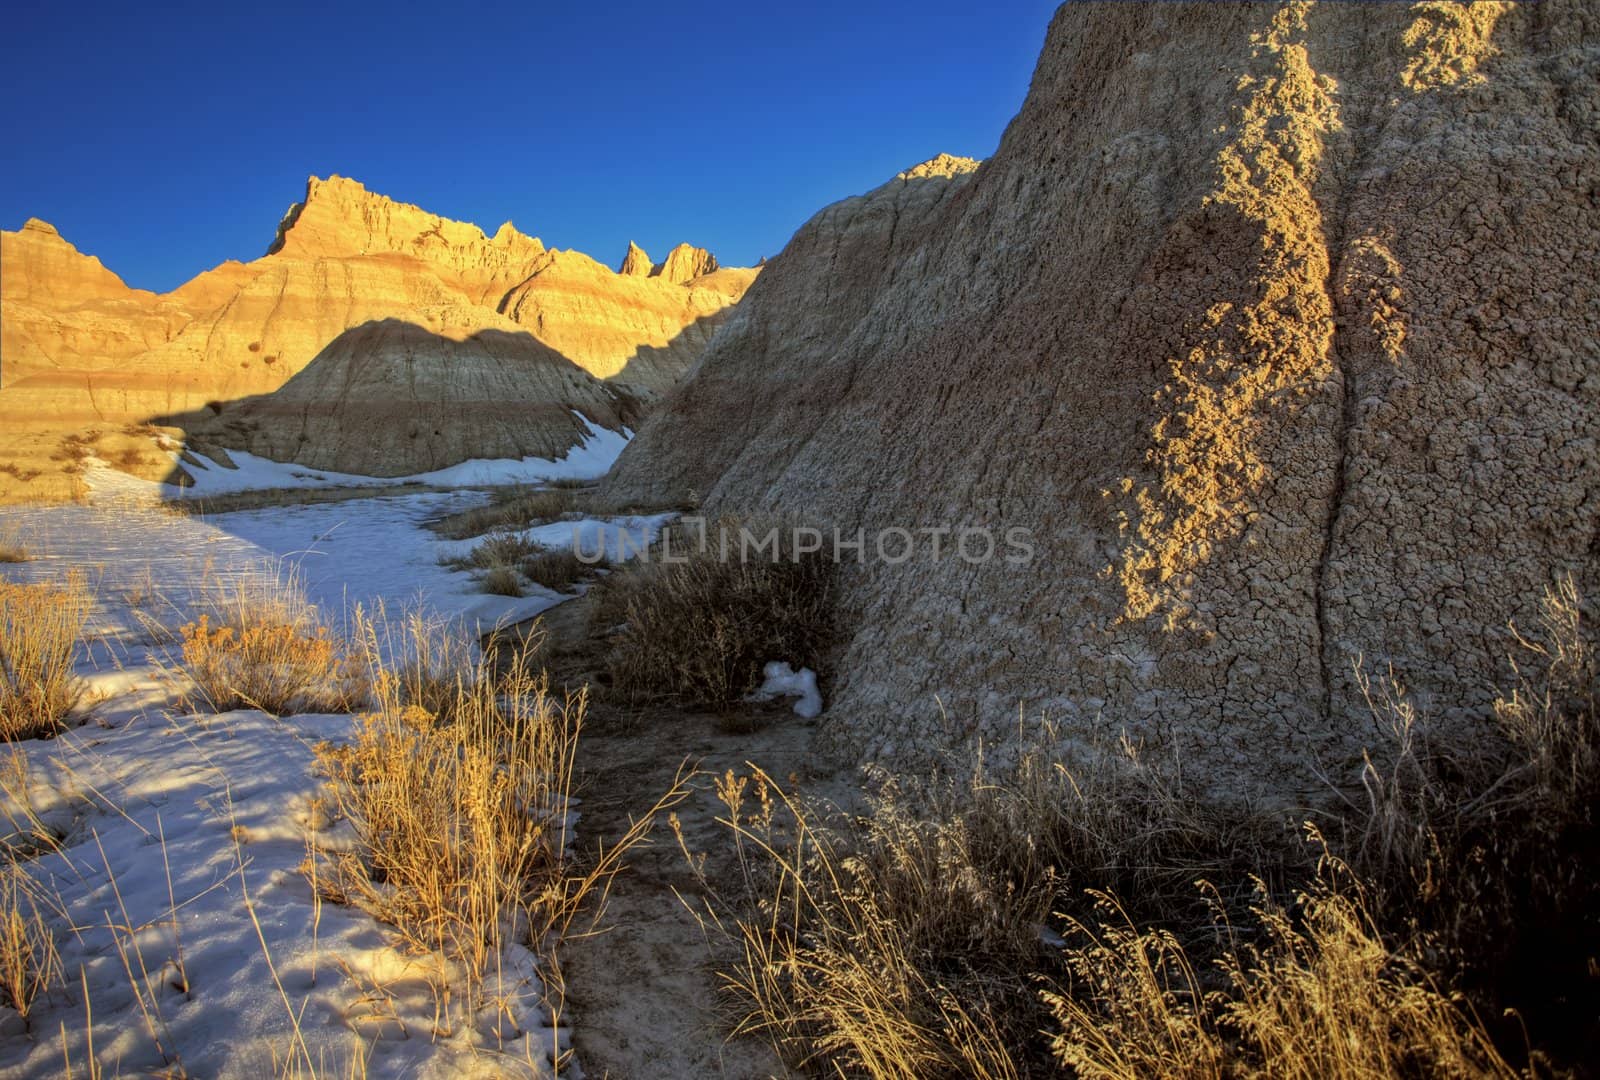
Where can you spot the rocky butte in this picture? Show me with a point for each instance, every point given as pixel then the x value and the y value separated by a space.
pixel 1279 329
pixel 366 314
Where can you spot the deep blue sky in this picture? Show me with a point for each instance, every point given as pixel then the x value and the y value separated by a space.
pixel 165 141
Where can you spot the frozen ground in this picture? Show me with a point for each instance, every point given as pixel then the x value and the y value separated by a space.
pixel 203 975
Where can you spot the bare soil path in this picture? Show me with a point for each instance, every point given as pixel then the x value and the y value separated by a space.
pixel 642 994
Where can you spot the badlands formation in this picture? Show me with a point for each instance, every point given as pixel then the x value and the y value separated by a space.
pixel 365 315
pixel 1277 326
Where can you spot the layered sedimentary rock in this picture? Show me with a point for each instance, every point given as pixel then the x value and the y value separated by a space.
pixel 64 309
pixel 80 348
pixel 642 333
pixel 1277 328
pixel 469 392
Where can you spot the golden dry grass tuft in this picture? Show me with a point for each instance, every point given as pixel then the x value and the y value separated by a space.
pixel 39 628
pixel 502 581
pixel 264 647
pixel 1311 991
pixel 29 962
pixel 462 813
pixel 462 818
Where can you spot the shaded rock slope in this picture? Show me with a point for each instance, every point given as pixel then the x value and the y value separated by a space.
pixel 81 348
pixel 1276 325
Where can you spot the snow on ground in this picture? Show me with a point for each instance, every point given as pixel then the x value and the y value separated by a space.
pixel 587 460
pixel 616 538
pixel 221 803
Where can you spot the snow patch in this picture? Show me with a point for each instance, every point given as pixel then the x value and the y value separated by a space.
pixel 783 681
pixel 589 459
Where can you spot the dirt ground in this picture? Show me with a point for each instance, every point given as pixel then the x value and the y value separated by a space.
pixel 641 993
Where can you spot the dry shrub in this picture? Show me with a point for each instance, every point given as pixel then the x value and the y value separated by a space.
pixel 559 569
pixel 700 631
pixel 502 581
pixel 39 627
pixel 265 647
pixel 463 820
pixel 502 549
pixel 29 962
pixel 12 549
pixel 512 508
pixel 462 814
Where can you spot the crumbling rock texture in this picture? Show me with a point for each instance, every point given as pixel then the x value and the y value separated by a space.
pixel 1277 325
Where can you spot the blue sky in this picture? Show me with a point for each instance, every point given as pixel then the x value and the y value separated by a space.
pixel 165 141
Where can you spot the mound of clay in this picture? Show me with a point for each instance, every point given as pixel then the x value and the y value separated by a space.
pixel 468 393
pixel 1276 329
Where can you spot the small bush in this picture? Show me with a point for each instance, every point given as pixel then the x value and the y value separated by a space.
pixel 502 581
pixel 502 549
pixel 559 569
pixel 12 549
pixel 700 631
pixel 266 648
pixel 461 815
pixel 39 627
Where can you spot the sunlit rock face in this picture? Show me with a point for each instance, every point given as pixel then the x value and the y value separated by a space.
pixel 1275 325
pixel 80 347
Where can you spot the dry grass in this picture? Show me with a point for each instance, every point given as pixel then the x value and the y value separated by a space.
pixel 909 941
pixel 39 627
pixel 700 631
pixel 953 925
pixel 511 509
pixel 559 569
pixel 502 581
pixel 920 940
pixel 1485 855
pixel 29 962
pixel 12 549
pixel 264 647
pixel 204 505
pixel 462 815
pixel 502 549
pixel 1312 992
